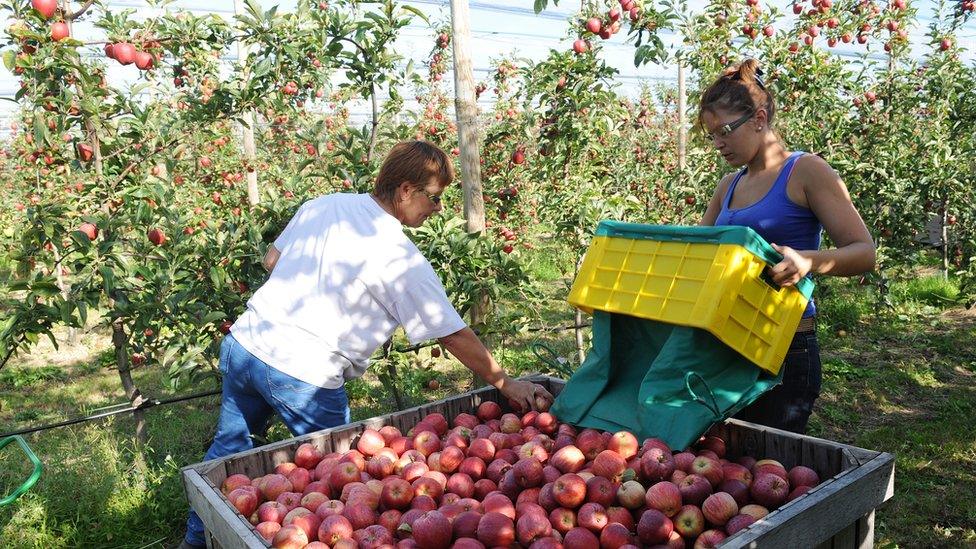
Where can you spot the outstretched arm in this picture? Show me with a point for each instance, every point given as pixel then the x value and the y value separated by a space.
pixel 465 345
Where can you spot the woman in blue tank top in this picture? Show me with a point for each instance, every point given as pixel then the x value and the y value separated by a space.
pixel 788 198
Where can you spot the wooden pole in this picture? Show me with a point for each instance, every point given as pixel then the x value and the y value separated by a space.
pixel 247 127
pixel 466 111
pixel 466 107
pixel 682 122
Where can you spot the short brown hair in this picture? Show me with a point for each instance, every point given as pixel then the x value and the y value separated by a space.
pixel 414 162
pixel 739 90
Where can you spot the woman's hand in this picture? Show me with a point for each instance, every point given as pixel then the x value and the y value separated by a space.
pixel 525 394
pixel 792 268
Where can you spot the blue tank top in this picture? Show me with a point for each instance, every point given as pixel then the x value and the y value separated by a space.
pixel 776 218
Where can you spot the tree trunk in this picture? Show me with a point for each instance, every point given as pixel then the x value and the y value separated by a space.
pixel 247 128
pixel 119 341
pixel 375 103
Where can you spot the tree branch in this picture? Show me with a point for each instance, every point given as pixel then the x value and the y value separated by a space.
pixel 81 11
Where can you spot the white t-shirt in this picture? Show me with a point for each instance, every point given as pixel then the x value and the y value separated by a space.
pixel 346 278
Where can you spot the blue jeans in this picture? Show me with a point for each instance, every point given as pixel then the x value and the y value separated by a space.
pixel 788 406
pixel 252 392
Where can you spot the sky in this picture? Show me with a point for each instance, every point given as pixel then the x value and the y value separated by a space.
pixel 498 27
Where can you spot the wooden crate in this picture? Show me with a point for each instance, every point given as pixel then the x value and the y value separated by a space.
pixel 839 513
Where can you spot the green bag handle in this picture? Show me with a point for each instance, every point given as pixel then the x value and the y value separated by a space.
pixel 32 479
pixel 547 355
pixel 713 407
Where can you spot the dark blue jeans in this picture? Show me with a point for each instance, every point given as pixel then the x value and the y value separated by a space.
pixel 788 406
pixel 252 392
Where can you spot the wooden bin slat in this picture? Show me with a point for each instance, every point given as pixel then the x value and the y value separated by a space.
pixel 814 517
pixel 222 521
pixel 855 480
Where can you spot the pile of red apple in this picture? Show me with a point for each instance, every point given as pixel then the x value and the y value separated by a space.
pixel 496 479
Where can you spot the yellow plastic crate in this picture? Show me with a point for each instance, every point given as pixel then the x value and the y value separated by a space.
pixel 706 277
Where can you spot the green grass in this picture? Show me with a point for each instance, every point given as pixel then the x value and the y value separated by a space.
pixel 931 290
pixel 905 382
pixel 902 382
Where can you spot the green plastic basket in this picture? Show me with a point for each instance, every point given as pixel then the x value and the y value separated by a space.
pixel 34 476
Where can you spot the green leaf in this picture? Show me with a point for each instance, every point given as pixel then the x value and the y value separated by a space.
pixel 416 12
pixel 9 59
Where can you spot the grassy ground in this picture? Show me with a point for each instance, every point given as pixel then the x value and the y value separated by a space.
pixel 902 382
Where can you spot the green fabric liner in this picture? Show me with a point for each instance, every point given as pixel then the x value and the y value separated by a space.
pixel 658 380
pixel 731 234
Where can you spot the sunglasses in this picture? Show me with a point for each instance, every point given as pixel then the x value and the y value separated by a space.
pixel 726 129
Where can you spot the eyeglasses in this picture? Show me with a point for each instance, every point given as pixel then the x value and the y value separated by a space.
pixel 435 198
pixel 725 130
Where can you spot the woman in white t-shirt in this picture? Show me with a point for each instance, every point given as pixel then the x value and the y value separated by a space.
pixel 343 277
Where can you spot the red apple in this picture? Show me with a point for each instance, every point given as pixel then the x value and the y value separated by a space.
pixel 432 531
pixel 301 517
pixel 654 527
pixel 342 474
pixel 244 500
pixel 144 60
pixel 610 465
pixel 592 516
pixel 46 8
pixel 683 461
pixel 267 530
pixel 591 443
pixel 803 476
pixel 562 519
pixel 665 497
pixel 770 466
pixel 290 537
pixel 621 515
pixel 755 511
pixel 499 503
pixel 734 471
pixel 769 490
pixel 797 492
pixel 59 31
pixel 528 473
pixel 156 236
pixel 272 511
pixel 531 526
pixel 694 489
pixel 568 459
pixel 569 491
pixel 496 530
pixel 124 53
pixel 615 535
pixel 488 411
pixel 738 522
pixel 580 538
pixel 601 490
pixel 719 507
pixel 624 443
pixel 274 485
pixel 308 456
pixel 370 442
pixel 465 525
pixel 657 464
pixel 709 539
pixel 313 500
pixel 689 521
pixel 631 495
pixel 580 46
pixel 735 488
pixel 708 468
